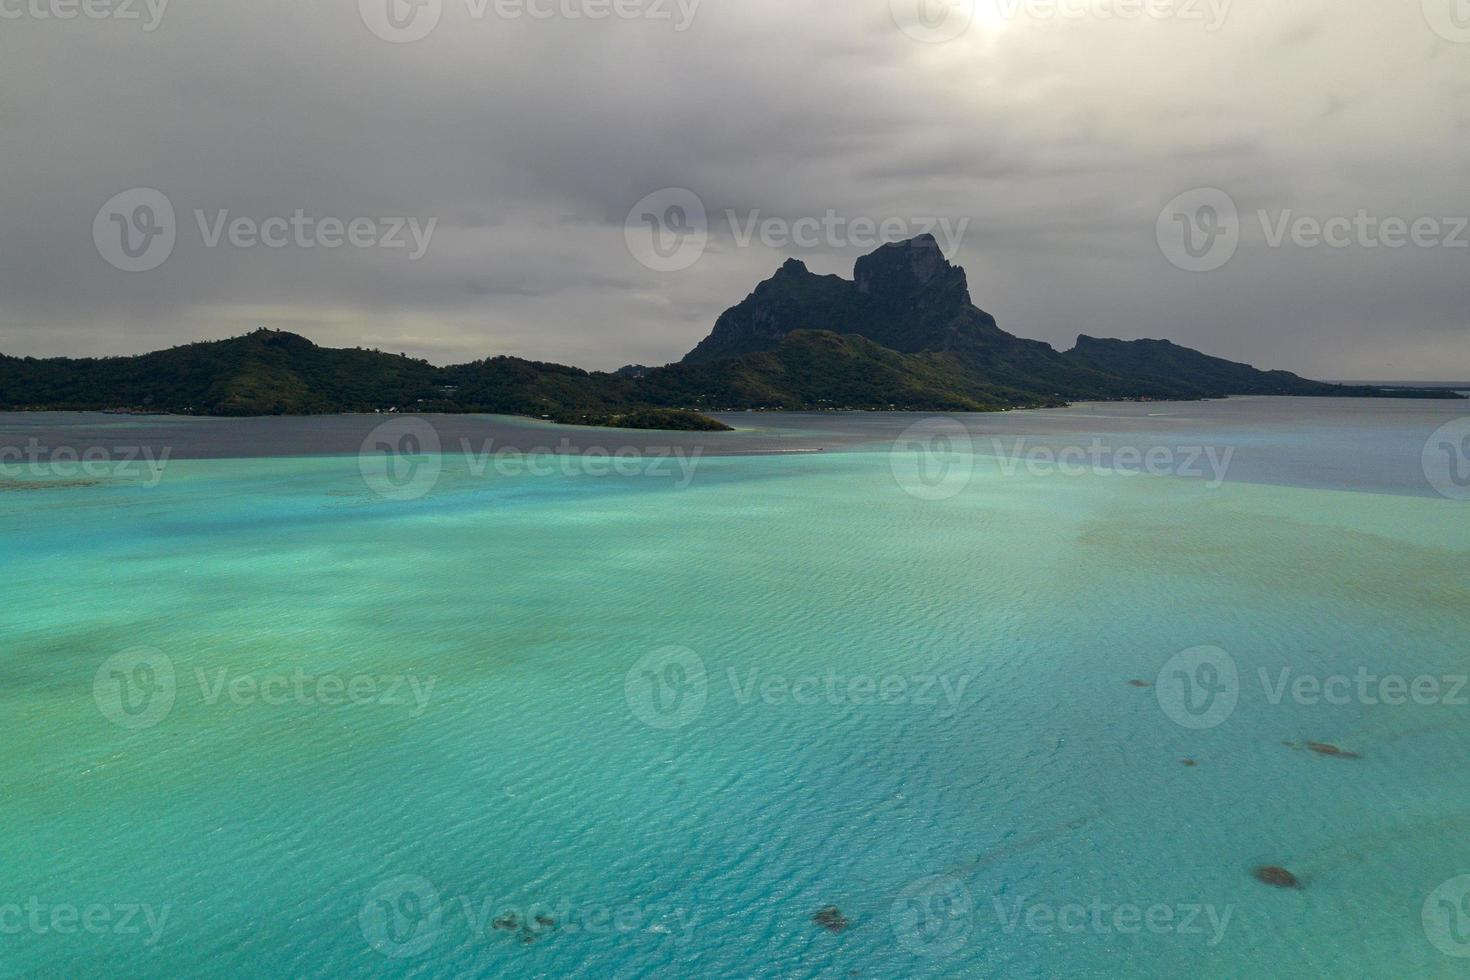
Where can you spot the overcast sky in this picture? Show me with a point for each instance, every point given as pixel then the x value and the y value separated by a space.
pixel 1058 138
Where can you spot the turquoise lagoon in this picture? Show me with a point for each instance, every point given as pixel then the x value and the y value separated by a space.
pixel 676 719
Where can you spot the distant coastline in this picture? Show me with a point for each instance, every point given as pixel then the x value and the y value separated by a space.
pixel 1438 385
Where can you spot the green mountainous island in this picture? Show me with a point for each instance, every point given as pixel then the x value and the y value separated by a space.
pixel 901 335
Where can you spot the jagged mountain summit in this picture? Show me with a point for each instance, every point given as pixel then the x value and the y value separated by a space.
pixel 905 296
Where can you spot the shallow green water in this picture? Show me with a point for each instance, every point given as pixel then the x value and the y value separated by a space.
pixel 680 720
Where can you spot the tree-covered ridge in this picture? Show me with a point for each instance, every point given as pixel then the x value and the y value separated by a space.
pixel 901 335
pixel 908 297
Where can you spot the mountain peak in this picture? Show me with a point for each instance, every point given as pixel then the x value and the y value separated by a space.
pixel 271 335
pixel 906 296
pixel 899 270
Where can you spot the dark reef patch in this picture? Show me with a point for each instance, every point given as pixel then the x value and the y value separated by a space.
pixel 1326 748
pixel 831 918
pixel 20 486
pixel 1276 877
pixel 526 930
pixel 1323 748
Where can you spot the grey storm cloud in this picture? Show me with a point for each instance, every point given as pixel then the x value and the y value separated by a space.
pixel 522 133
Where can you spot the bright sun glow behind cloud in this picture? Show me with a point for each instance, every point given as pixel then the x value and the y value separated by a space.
pixel 994 15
